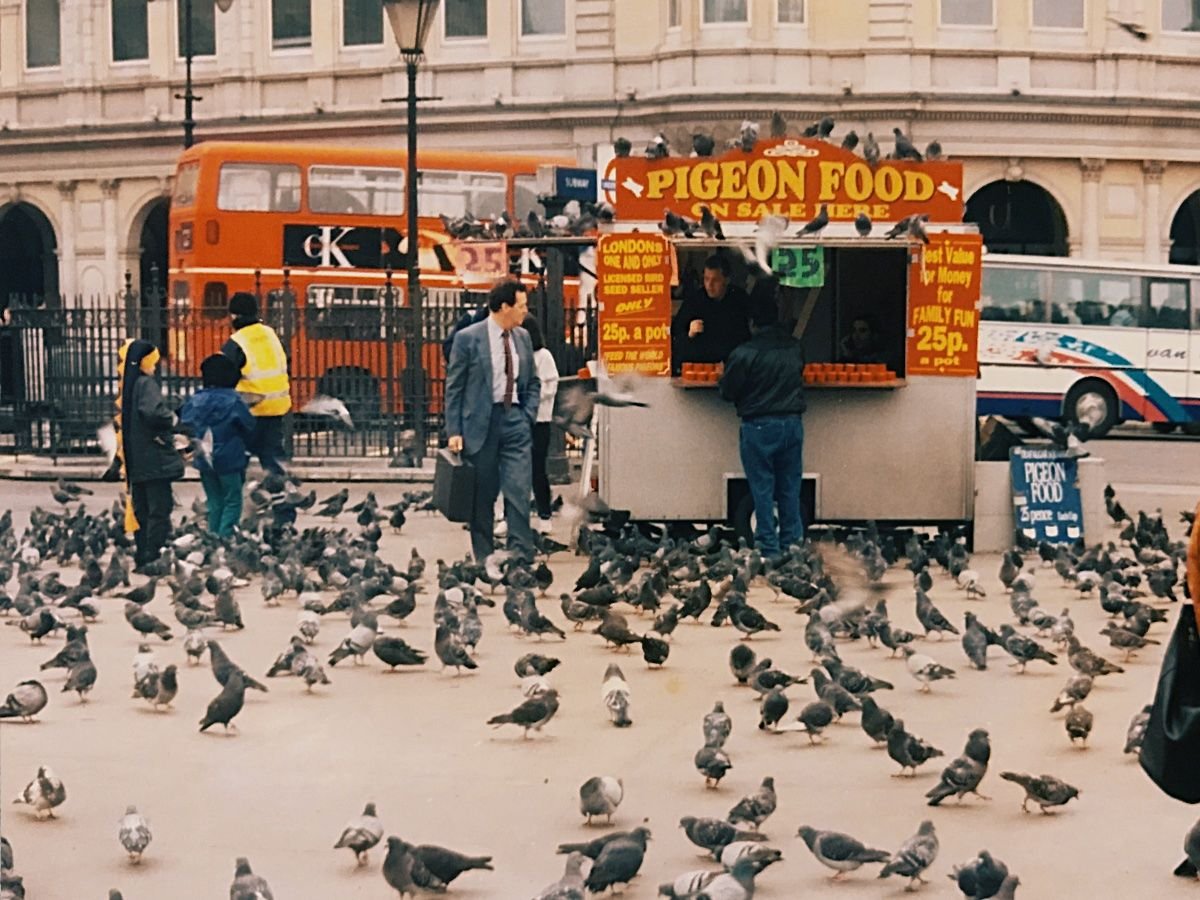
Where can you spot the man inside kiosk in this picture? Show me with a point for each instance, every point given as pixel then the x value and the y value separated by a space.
pixel 712 321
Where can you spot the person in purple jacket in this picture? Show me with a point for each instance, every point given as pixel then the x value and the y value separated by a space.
pixel 221 423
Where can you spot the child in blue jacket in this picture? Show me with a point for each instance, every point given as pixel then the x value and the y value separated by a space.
pixel 221 424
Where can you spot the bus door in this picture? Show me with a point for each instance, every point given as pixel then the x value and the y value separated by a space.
pixel 1168 317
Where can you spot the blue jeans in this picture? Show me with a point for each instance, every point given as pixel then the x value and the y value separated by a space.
pixel 771 449
pixel 223 494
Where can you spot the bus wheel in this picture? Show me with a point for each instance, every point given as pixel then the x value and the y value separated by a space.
pixel 357 388
pixel 1095 402
pixel 1164 427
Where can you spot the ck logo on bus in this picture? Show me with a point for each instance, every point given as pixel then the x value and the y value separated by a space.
pixel 342 247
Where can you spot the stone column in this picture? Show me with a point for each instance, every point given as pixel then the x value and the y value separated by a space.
pixel 113 281
pixel 1092 170
pixel 67 267
pixel 1152 173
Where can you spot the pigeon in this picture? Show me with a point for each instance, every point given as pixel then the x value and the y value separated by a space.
pixel 146 623
pixel 398 866
pixel 1137 730
pixel 570 886
pixel 914 856
pixel 980 877
pixel 838 851
pixel 618 861
pixel 1190 867
pixel 600 796
pixel 717 726
pixel 1131 28
pixel 713 835
pixel 905 148
pixel 1123 639
pixel 934 152
pixel 925 669
pixel 614 691
pixel 818 223
pixel 908 750
pixel 592 849
pixel 361 834
pixel 712 763
pixel 756 808
pixel 963 775
pixel 850 141
pixel 134 834
pixel 871 150
pixel 223 667
pixel 533 713
pixel 1046 790
pixel 81 679
pixel 44 793
pixel 450 650
pixel 328 407
pixel 622 147
pixel 394 651
pixel 772 708
pixel 931 618
pixel 165 688
pixel 862 224
pixel 703 144
pixel 357 642
pixel 1086 662
pixel 816 717
pixel 875 720
pixel 445 865
pixel 1023 650
pixel 654 650
pixel 1074 691
pixel 535 664
pixel 1079 724
pixel 194 646
pixel 226 704
pixel 27 699
pixel 246 885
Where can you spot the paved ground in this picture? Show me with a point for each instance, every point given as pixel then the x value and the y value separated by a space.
pixel 416 744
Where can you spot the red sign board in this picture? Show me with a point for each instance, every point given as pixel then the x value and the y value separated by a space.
pixel 792 178
pixel 943 305
pixel 634 288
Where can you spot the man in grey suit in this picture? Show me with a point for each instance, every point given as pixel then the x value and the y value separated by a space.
pixel 492 392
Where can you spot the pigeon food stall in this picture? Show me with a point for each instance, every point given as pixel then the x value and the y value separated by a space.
pixel 890 440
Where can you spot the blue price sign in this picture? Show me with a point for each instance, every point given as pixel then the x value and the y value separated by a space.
pixel 1046 502
pixel 799 266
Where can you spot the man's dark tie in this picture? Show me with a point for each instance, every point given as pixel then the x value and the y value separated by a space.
pixel 508 369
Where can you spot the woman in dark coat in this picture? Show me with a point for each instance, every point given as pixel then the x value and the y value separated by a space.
pixel 151 460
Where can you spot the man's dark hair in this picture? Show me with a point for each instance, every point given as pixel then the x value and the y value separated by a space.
pixel 243 305
pixel 719 263
pixel 535 332
pixel 765 314
pixel 504 293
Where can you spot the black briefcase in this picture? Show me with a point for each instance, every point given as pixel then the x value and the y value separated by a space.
pixel 1171 746
pixel 453 486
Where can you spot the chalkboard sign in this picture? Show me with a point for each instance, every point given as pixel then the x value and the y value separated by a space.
pixel 1046 502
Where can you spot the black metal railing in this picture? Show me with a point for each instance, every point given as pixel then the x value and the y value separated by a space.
pixel 59 369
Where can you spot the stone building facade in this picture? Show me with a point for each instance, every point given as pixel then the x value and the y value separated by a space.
pixel 1078 137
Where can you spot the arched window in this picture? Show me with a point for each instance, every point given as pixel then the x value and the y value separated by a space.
pixel 1018 217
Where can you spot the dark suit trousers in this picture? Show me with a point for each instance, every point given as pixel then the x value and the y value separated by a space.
pixel 152 505
pixel 503 465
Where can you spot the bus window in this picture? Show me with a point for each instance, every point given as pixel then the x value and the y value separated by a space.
pixel 525 197
pixel 345 313
pixel 1168 305
pixel 1093 298
pixel 453 194
pixel 215 304
pixel 1012 295
pixel 185 185
pixel 259 187
pixel 356 189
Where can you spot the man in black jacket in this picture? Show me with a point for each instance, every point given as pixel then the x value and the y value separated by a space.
pixel 764 377
pixel 711 322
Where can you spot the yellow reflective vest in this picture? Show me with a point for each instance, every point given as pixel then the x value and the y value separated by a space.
pixel 265 372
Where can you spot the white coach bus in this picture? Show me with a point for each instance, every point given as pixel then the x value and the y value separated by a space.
pixel 1105 342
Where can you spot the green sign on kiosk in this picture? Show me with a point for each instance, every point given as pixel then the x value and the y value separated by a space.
pixel 799 267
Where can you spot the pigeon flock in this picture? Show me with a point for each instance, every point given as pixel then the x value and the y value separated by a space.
pixel 806 649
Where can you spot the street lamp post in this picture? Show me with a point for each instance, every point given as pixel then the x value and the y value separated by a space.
pixel 188 96
pixel 411 21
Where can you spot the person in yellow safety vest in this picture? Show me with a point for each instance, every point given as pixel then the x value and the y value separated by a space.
pixel 260 357
pixel 116 470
